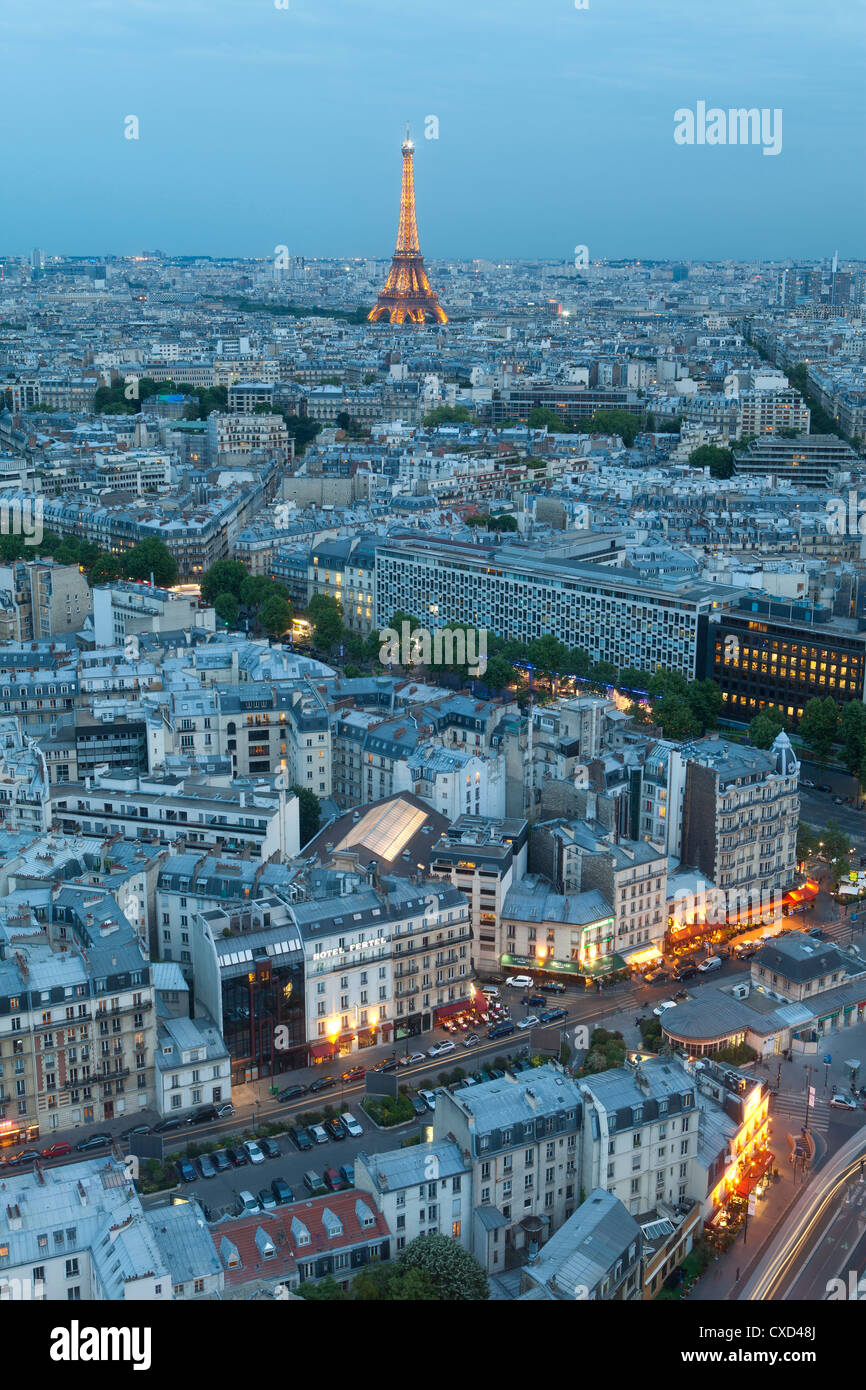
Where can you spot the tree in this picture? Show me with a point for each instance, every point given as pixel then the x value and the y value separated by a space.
pixel 275 616
pixel 503 522
pixel 763 730
pixel 151 557
pixel 542 417
pixel 225 577
pixel 632 678
pixel 705 701
pixel 104 570
pixel 719 461
pixel 12 547
pixel 852 735
pixel 818 726
pixel 447 415
pixel 808 839
pixel 227 608
pixel 456 1276
pixel 622 422
pixel 256 588
pixel 836 848
pixel 326 616
pixel 309 813
pixel 674 714
pixel 302 431
pixel 327 1290
pixel 499 673
pixel 603 673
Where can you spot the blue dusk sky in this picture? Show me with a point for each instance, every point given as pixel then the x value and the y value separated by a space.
pixel 262 126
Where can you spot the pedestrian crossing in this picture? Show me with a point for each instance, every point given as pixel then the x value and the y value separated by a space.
pixel 789 1109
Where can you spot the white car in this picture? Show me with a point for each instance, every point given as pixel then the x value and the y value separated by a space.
pixel 665 1004
pixel 471 1040
pixel 317 1134
pixel 490 992
pixel 248 1203
pixel 430 1098
pixel 842 1102
pixel 528 1022
pixel 412 1059
pixel 439 1048
pixel 711 963
pixel 351 1125
pixel 519 981
pixel 253 1152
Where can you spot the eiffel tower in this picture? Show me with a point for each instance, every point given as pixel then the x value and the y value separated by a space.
pixel 407 296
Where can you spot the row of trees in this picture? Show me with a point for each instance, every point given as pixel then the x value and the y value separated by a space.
pixel 823 724
pixel 230 587
pixel 621 422
pixel 432 1269
pixel 121 399
pixel 149 557
pixel 501 522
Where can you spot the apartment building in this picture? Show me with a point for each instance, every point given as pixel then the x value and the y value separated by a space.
pixel 737 809
pixel 769 412
pixel 77 1232
pixel 595 1254
pixel 813 460
pixel 455 782
pixel 193 1066
pixel 521 1137
pixel 128 607
pixel 277 729
pixel 640 1134
pixel 167 807
pixel 483 857
pixel 42 600
pixel 420 1191
pixel 25 798
pixel 77 1022
pixel 240 435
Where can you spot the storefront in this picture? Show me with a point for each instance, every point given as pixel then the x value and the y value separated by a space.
pixel 458 1006
pixel 412 1025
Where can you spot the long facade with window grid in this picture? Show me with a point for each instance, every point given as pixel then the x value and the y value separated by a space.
pixel 614 614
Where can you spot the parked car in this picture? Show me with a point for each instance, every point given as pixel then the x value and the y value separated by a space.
pixel 430 1098
pixel 528 1022
pixel 520 981
pixel 490 991
pixel 666 1004
pixel 324 1083
pixel 389 1064
pixel 253 1152
pixel 300 1138
pixel 136 1129
pixel 841 1102
pixel 471 1040
pixel 419 1105
pixel 312 1181
pixel 201 1117
pixel 247 1203
pixel 711 963
pixel 354 1073
pixel 818 934
pixel 494 1074
pixel 332 1179
pixel 656 977
pixel 237 1157
pixel 438 1049
pixel 221 1161
pixel 353 1127
pixel 413 1059
pixel 165 1126
pixel 317 1134
pixel 554 986
pixel 536 1001
pixel 825 787
pixel 347 1173
pixel 686 972
pixel 206 1166
pixel 267 1200
pixel 335 1129
pixel 500 1030
pixel 282 1192
pixel 292 1093
pixel 224 1109
pixel 24 1156
pixel 185 1170
pixel 57 1150
pixel 269 1147
pixel 95 1141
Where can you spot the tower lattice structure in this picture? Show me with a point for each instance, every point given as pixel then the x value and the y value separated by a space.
pixel 407 296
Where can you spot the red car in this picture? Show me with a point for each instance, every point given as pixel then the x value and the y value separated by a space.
pixel 332 1178
pixel 354 1073
pixel 57 1150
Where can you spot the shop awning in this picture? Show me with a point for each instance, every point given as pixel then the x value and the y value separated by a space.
pixel 752 1173
pixel 321 1051
pixel 604 965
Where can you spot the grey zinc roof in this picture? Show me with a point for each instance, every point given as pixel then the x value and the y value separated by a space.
pixel 503 1102
pixel 398 1168
pixel 583 1249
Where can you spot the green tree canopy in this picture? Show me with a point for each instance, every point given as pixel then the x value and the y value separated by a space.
pixel 455 1275
pixel 448 415
pixel 151 557
pixel 227 607
pixel 275 615
pixel 309 813
pixel 225 577
pixel 326 616
pixel 719 461
pixel 819 726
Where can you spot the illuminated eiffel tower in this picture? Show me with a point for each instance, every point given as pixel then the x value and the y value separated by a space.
pixel 407 296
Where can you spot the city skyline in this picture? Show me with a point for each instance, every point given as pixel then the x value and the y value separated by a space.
pixel 529 130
